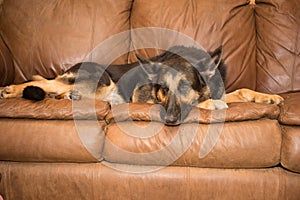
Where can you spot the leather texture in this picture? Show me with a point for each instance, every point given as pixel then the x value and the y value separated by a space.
pixel 58 149
pixel 51 140
pixel 40 49
pixel 250 144
pixel 219 25
pixel 97 181
pixel 53 109
pixel 48 37
pixel 6 63
pixel 290 111
pixel 100 110
pixel 235 112
pixel 290 156
pixel 278 46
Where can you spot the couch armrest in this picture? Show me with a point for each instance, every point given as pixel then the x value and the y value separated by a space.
pixel 6 65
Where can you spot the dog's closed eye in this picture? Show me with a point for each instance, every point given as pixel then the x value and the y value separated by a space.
pixel 165 90
pixel 183 87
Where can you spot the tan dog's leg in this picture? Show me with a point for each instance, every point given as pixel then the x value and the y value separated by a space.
pixel 241 95
pixel 71 95
pixel 49 86
pixel 13 91
pixel 247 95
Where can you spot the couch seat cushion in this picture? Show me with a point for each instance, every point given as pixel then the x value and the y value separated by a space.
pixel 290 111
pixel 290 156
pixel 51 140
pixel 246 135
pixel 46 130
pixel 247 144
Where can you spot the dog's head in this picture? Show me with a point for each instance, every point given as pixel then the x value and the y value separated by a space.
pixel 179 84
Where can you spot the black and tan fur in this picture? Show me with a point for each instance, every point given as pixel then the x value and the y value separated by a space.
pixel 179 79
pixel 83 80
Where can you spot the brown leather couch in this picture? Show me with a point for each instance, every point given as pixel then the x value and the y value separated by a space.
pixel 56 149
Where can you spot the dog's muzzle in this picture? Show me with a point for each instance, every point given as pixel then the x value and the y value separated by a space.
pixel 174 112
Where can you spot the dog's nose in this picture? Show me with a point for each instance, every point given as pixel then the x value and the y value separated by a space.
pixel 171 111
pixel 168 118
pixel 171 119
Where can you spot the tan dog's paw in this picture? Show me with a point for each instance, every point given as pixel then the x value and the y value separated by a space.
pixel 269 99
pixel 72 95
pixel 10 92
pixel 219 104
pixel 211 104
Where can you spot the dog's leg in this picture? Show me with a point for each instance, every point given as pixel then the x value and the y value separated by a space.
pixel 247 95
pixel 212 104
pixel 13 91
pixel 241 95
pixel 49 86
pixel 71 95
pixel 37 78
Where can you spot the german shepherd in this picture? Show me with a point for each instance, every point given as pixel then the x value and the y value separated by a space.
pixel 179 79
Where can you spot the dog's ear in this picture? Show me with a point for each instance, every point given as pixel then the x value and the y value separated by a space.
pixel 142 60
pixel 149 67
pixel 216 55
pixel 211 64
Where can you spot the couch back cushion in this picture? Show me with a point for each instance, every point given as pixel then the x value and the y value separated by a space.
pixel 260 39
pixel 278 45
pixel 47 37
pixel 6 65
pixel 208 23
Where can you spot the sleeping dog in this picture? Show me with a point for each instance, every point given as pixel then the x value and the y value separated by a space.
pixel 179 79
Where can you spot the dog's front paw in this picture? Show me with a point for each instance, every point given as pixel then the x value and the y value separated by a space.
pixel 3 93
pixel 10 92
pixel 219 104
pixel 211 104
